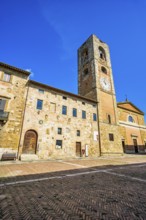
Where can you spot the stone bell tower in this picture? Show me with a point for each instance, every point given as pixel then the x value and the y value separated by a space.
pixel 95 81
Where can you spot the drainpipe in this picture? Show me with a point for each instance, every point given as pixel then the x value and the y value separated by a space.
pixel 23 120
pixel 98 125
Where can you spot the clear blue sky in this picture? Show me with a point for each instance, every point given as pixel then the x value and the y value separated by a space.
pixel 44 35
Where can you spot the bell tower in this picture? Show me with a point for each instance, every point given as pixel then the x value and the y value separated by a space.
pixel 95 81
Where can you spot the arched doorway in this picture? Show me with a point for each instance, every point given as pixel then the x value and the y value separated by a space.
pixel 135 145
pixel 30 142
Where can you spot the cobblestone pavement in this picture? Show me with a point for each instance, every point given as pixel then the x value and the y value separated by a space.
pixel 105 188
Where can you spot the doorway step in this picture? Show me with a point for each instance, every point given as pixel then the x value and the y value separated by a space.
pixel 29 157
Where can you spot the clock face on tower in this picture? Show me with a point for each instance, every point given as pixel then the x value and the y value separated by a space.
pixel 105 84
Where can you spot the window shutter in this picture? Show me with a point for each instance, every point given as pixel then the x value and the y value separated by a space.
pixel 2 104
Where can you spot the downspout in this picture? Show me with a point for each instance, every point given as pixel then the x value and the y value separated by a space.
pixel 98 125
pixel 23 121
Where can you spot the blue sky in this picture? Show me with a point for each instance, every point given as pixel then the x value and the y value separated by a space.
pixel 44 35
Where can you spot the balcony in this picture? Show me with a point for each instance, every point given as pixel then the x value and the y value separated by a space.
pixel 4 116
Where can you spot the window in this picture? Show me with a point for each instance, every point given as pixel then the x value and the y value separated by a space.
pixel 109 119
pixel 78 132
pixel 84 55
pixel 94 117
pixel 59 130
pixel 102 53
pixel 83 114
pixel 130 119
pixel 64 97
pixel 2 104
pixel 64 110
pixel 41 91
pixel 39 104
pixel 6 77
pixel 74 112
pixel 86 72
pixel 111 137
pixel 58 144
pixel 52 107
pixel 104 70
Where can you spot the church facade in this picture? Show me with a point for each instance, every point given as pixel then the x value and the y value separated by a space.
pixel 38 121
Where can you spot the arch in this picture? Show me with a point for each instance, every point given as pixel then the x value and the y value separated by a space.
pixel 102 53
pixel 130 119
pixel 30 142
pixel 84 55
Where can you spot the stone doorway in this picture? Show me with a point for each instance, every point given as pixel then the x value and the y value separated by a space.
pixel 30 142
pixel 123 146
pixel 78 149
pixel 135 145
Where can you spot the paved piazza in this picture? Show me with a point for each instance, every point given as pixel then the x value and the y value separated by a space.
pixel 105 188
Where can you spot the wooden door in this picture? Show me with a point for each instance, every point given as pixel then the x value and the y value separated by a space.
pixel 135 145
pixel 123 145
pixel 78 149
pixel 30 142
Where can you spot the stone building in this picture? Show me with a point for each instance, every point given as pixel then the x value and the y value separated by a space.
pixel 58 124
pixel 13 83
pixel 39 121
pixel 132 128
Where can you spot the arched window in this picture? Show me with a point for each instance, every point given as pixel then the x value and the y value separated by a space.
pixel 102 53
pixel 130 119
pixel 104 70
pixel 84 55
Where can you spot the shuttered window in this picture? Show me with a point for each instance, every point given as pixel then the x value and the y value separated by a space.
pixel 2 104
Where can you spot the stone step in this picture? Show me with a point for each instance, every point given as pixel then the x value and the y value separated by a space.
pixel 29 157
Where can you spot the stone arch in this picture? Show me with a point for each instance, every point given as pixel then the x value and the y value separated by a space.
pixel 102 53
pixel 30 142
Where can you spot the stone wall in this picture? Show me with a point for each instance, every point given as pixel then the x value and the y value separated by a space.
pixel 14 92
pixel 47 121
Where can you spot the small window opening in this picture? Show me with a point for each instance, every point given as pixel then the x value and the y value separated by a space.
pixel 84 55
pixel 59 130
pixel 86 72
pixel 41 91
pixel 64 97
pixel 102 53
pixel 104 70
pixel 59 144
pixel 111 137
pixel 109 119
pixel 94 117
pixel 6 77
pixel 78 132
